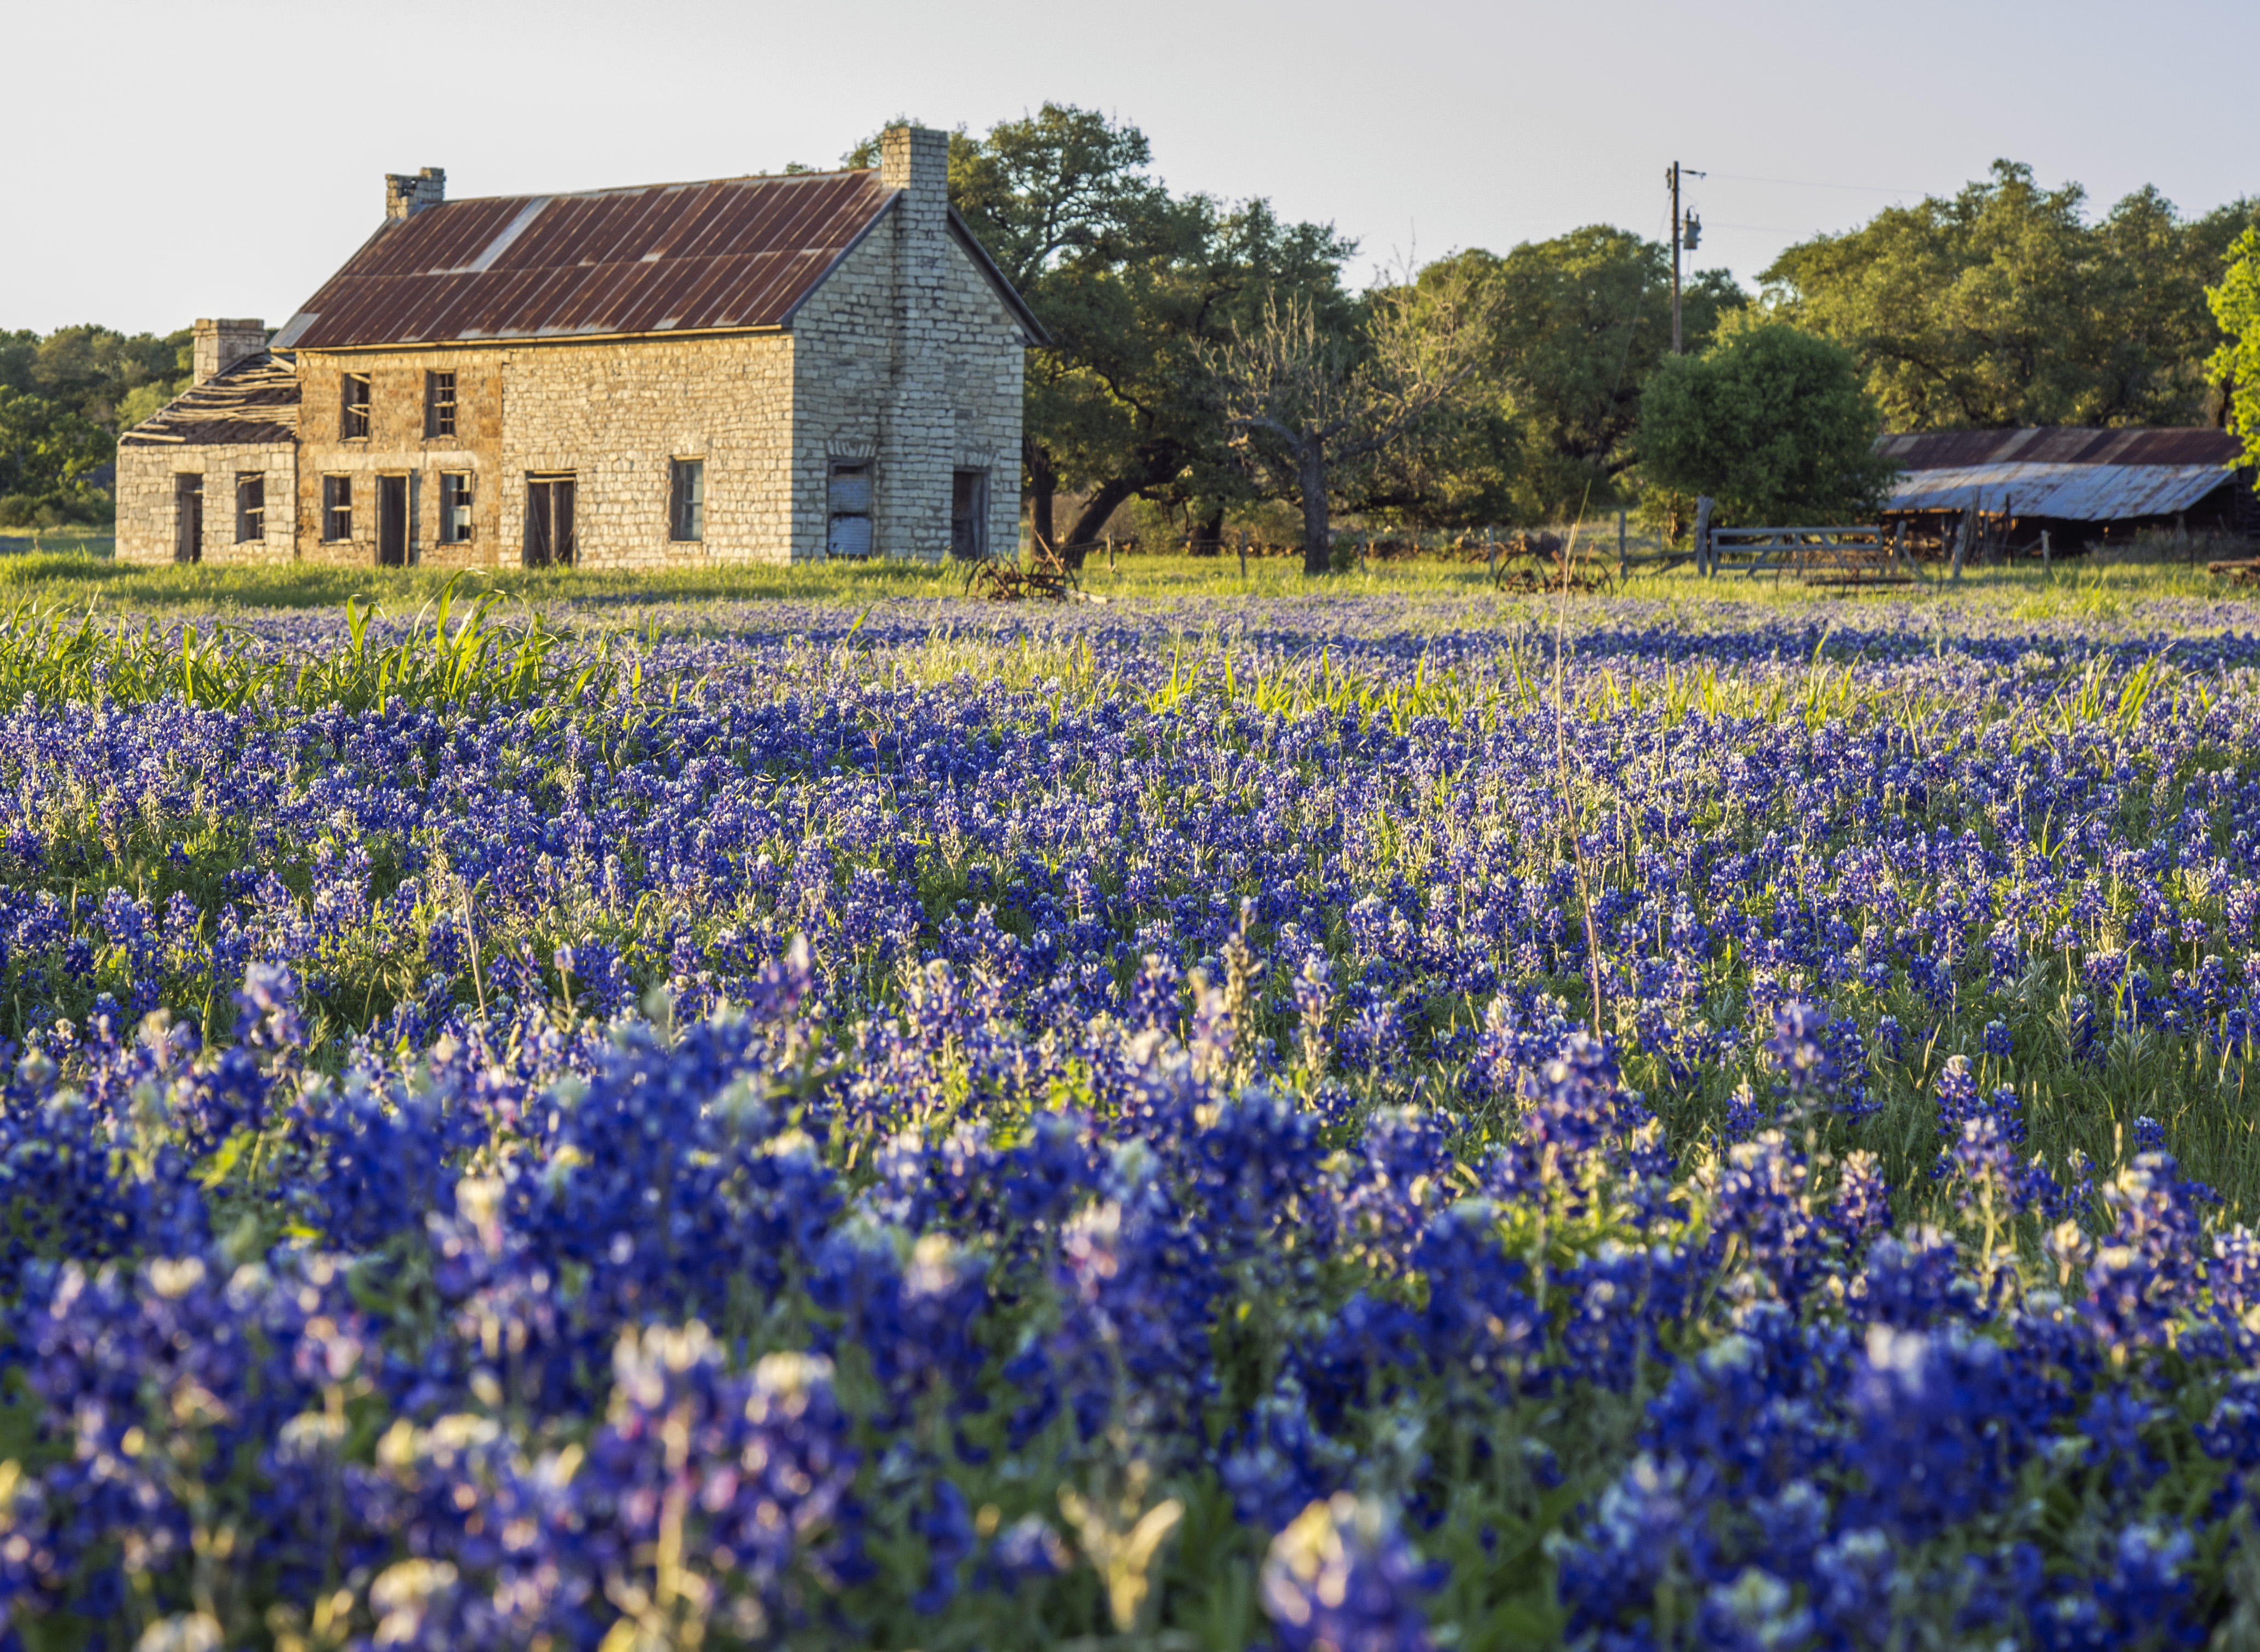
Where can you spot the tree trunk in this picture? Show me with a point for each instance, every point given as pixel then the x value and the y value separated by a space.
pixel 1209 531
pixel 1092 518
pixel 1043 483
pixel 1311 464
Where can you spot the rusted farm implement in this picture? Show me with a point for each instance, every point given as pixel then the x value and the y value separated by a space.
pixel 1046 577
pixel 1548 562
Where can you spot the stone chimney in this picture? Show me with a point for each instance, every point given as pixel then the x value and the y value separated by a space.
pixel 221 344
pixel 918 433
pixel 917 159
pixel 406 196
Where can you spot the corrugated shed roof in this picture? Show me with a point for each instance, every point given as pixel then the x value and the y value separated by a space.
pixel 255 401
pixel 2078 492
pixel 735 252
pixel 2059 445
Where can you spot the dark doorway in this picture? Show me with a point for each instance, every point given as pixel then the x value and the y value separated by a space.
pixel 968 514
pixel 549 521
pixel 392 521
pixel 187 518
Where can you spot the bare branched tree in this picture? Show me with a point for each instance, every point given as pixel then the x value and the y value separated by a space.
pixel 1303 400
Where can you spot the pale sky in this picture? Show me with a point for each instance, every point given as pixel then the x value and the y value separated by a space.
pixel 220 157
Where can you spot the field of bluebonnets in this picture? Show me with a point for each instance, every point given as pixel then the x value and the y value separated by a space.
pixel 913 1127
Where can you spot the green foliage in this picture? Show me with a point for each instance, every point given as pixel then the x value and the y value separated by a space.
pixel 47 658
pixel 1771 422
pixel 2235 304
pixel 2005 306
pixel 100 376
pixel 1582 320
pixel 47 455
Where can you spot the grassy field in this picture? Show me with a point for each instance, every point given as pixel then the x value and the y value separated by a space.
pixel 2090 589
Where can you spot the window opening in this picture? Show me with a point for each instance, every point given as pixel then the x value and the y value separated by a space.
pixel 337 509
pixel 187 518
pixel 355 420
pixel 455 507
pixel 250 506
pixel 548 521
pixel 438 404
pixel 968 514
pixel 686 499
pixel 849 498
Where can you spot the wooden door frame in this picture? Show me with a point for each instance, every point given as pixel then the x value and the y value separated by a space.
pixel 386 480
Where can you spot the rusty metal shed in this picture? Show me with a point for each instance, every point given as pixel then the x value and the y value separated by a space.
pixel 2070 476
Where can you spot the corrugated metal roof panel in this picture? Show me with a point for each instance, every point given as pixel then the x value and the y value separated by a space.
pixel 2059 444
pixel 2078 492
pixel 677 257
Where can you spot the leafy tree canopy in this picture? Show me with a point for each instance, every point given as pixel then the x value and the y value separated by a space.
pixel 1580 323
pixel 2236 365
pixel 2005 306
pixel 1770 421
pixel 95 372
pixel 47 454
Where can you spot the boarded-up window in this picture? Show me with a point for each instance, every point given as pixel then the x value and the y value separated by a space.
pixel 353 416
pixel 455 507
pixel 438 404
pixel 250 506
pixel 968 514
pixel 850 503
pixel 337 508
pixel 686 498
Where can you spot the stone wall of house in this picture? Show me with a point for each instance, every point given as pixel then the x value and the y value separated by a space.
pixel 907 355
pixel 395 445
pixel 613 416
pixel 616 415
pixel 148 500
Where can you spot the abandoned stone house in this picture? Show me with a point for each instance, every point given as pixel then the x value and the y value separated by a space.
pixel 760 369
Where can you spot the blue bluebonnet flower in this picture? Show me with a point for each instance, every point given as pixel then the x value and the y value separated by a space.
pixel 1341 1578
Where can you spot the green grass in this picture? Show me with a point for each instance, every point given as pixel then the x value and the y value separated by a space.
pixel 2086 589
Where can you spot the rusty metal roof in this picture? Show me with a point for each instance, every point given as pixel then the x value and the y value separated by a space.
pixel 255 401
pixel 2078 492
pixel 2059 445
pixel 731 254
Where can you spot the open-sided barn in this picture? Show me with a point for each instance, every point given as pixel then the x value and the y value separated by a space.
pixel 2083 485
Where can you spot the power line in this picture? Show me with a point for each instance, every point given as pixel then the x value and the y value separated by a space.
pixel 1808 183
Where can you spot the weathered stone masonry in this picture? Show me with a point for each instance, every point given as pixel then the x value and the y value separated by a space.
pixel 894 344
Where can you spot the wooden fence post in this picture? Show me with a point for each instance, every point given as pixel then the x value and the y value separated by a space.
pixel 1490 556
pixel 1963 530
pixel 1707 565
pixel 1900 561
pixel 1624 551
pixel 1243 553
pixel 2046 571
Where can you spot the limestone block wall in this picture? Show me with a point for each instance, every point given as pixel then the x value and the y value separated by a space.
pixel 907 355
pixel 147 495
pixel 616 414
pixel 397 446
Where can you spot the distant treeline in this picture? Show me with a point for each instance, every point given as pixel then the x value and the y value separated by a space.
pixel 64 400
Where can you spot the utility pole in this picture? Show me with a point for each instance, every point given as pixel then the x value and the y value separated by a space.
pixel 1685 231
pixel 1673 176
